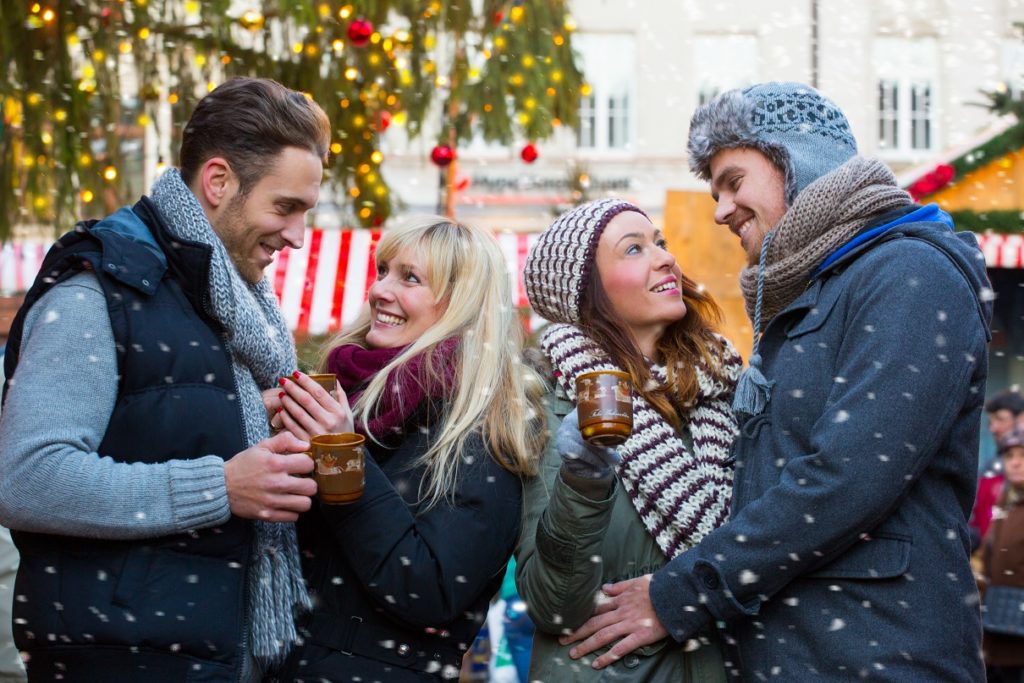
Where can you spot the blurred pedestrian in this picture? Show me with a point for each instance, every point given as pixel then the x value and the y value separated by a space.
pixel 1003 569
pixel 603 274
pixel 1004 412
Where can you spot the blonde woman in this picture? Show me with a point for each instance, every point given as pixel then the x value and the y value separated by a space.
pixel 402 577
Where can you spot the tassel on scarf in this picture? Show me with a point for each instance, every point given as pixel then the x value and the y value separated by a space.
pixel 753 389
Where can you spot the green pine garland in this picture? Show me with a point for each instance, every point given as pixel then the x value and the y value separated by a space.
pixel 1003 222
pixel 511 72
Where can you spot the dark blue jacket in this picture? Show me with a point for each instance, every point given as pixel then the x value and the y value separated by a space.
pixel 846 555
pixel 400 591
pixel 162 609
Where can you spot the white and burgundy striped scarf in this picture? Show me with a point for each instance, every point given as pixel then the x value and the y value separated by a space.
pixel 681 496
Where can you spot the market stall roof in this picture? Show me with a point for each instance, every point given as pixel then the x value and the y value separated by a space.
pixel 981 184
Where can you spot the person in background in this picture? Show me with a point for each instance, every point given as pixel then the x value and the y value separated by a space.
pixel 619 301
pixel 1003 568
pixel 431 375
pixel 1004 412
pixel 846 554
pixel 151 510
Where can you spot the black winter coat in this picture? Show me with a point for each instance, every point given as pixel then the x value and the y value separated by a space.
pixel 401 591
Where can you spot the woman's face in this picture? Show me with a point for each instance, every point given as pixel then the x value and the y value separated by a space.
pixel 402 305
pixel 1013 466
pixel 641 279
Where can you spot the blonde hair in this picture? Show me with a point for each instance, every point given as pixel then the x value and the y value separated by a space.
pixel 495 394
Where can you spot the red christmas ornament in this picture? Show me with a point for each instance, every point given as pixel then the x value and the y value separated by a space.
pixel 529 153
pixel 359 32
pixel 383 121
pixel 931 182
pixel 442 155
pixel 498 17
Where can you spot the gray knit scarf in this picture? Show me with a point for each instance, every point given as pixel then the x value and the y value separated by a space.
pixel 825 216
pixel 681 496
pixel 262 351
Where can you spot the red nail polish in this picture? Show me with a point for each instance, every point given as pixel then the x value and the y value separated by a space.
pixel 281 395
pixel 280 409
pixel 295 374
pixel 282 381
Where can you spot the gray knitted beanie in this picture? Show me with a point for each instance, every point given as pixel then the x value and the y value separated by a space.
pixel 558 267
pixel 800 131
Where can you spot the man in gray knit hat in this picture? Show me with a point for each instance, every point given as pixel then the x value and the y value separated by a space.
pixel 149 506
pixel 846 553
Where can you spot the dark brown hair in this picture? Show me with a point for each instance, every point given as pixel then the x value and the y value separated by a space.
pixel 685 344
pixel 248 121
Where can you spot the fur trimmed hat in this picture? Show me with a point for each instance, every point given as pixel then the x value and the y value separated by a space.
pixel 800 130
pixel 558 267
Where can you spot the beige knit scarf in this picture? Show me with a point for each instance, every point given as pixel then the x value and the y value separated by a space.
pixel 826 215
pixel 680 494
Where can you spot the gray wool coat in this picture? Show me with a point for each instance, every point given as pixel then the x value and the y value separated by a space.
pixel 846 555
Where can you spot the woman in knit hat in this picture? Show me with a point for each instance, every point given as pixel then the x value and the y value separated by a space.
pixel 618 300
pixel 401 578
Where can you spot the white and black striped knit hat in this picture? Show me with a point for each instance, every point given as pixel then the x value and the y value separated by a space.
pixel 558 267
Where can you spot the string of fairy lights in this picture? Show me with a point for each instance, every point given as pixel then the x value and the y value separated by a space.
pixel 90 83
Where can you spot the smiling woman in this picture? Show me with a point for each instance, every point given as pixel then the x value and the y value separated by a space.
pixel 402 577
pixel 603 274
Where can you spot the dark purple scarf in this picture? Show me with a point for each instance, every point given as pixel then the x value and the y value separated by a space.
pixel 411 383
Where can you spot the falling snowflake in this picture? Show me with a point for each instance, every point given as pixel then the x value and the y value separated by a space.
pixel 837 625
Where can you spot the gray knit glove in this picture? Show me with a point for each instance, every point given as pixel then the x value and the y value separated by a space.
pixel 580 457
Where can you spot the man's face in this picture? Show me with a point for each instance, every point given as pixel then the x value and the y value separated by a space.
pixel 751 195
pixel 272 216
pixel 1000 422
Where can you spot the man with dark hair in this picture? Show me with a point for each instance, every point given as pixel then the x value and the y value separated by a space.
pixel 1003 411
pixel 151 510
pixel 846 552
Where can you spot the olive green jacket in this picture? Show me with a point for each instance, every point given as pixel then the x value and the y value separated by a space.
pixel 572 543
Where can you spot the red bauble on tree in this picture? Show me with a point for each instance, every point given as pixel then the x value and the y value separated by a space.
pixel 383 121
pixel 442 155
pixel 359 32
pixel 529 153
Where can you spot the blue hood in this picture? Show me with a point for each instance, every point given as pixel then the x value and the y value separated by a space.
pixel 130 252
pixel 933 225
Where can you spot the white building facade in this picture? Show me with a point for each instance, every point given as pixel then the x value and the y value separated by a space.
pixel 906 72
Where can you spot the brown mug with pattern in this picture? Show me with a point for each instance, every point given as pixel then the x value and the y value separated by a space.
pixel 604 404
pixel 339 467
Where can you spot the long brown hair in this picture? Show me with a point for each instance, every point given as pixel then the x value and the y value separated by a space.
pixel 685 344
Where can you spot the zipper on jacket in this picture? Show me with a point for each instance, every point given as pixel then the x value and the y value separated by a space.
pixel 245 644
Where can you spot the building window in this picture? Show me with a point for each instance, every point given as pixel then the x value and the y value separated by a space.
pixel 906 72
pixel 607 113
pixel 1013 66
pixel 888 131
pixel 586 134
pixel 724 62
pixel 921 115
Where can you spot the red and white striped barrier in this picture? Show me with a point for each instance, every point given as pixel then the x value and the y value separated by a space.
pixel 321 287
pixel 1002 251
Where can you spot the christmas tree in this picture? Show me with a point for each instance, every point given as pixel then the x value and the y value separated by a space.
pixel 87 82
